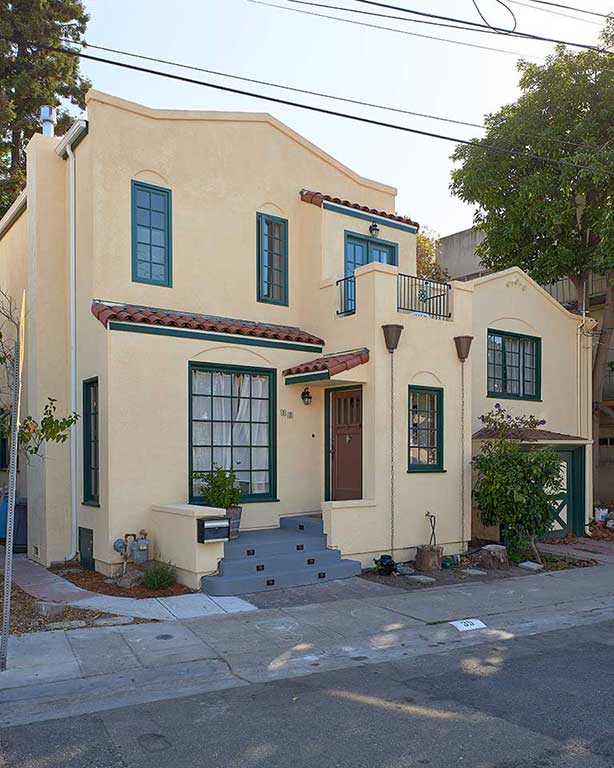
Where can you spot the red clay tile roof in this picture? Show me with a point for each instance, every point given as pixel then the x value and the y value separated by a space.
pixel 528 435
pixel 130 313
pixel 317 198
pixel 334 364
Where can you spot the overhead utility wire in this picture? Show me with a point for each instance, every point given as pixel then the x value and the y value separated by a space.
pixel 491 30
pixel 310 108
pixel 556 13
pixel 320 94
pixel 507 8
pixel 571 8
pixel 392 29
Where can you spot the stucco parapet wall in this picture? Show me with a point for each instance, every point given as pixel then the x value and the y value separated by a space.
pixel 376 266
pixel 235 117
pixel 514 274
pixel 349 504
pixel 14 212
pixel 188 510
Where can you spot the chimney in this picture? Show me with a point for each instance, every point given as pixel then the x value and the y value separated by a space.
pixel 48 119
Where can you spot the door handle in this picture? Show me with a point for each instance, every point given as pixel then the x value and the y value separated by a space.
pixel 348 439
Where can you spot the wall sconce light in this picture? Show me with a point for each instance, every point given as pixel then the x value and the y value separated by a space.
pixel 306 396
pixel 374 229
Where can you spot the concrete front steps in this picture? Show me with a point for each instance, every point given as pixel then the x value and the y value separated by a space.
pixel 293 555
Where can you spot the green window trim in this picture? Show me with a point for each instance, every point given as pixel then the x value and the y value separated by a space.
pixel 271 424
pixel 434 442
pixel 529 365
pixel 272 278
pixel 151 227
pixel 91 452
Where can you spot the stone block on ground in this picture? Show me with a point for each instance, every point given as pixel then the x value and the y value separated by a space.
pixel 493 557
pixel 132 578
pixel 428 558
pixel 474 572
pixel 75 624
pixel 404 569
pixel 528 565
pixel 421 579
pixel 112 621
pixel 48 610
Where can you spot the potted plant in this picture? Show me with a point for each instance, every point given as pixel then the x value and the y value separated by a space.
pixel 220 489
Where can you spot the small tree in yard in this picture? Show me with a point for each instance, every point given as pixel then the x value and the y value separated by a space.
pixel 516 486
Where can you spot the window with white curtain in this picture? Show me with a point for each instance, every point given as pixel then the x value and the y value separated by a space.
pixel 232 425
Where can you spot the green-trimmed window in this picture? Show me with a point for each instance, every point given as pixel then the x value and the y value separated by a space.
pixel 425 429
pixel 151 234
pixel 90 442
pixel 272 259
pixel 514 365
pixel 232 425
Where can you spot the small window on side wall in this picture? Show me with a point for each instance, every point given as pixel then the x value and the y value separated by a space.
pixel 514 366
pixel 272 265
pixel 91 494
pixel 425 429
pixel 151 234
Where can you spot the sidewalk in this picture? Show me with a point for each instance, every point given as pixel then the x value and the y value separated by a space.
pixel 53 674
pixel 45 585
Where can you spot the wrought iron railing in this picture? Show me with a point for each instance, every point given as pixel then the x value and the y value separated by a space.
pixel 427 297
pixel 564 291
pixel 346 288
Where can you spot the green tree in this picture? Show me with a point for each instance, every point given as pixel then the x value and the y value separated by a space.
pixel 553 221
pixel 517 486
pixel 427 256
pixel 31 78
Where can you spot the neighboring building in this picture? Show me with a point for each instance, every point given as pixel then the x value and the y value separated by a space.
pixel 457 254
pixel 226 314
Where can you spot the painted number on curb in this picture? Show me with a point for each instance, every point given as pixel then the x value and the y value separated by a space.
pixel 465 625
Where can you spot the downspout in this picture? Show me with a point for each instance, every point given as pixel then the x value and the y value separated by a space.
pixel 65 150
pixel 392 334
pixel 463 345
pixel 73 350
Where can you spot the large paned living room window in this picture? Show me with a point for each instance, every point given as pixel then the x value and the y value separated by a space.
pixel 232 425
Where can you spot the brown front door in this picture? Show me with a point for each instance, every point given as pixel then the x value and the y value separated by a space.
pixel 346 444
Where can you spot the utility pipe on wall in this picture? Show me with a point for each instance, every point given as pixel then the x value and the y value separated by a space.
pixel 73 351
pixel 65 149
pixel 392 334
pixel 463 345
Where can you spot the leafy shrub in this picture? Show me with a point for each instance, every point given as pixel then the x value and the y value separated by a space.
pixel 516 486
pixel 219 487
pixel 158 575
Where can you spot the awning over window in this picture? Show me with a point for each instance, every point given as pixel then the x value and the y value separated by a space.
pixel 326 367
pixel 533 436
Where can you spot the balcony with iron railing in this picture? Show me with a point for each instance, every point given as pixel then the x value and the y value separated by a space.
pixel 419 295
pixel 565 292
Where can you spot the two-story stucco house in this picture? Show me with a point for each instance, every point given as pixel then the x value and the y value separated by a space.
pixel 211 288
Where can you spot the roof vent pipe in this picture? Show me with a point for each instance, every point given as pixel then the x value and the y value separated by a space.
pixel 48 120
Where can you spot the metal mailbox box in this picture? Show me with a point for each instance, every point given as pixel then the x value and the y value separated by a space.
pixel 212 529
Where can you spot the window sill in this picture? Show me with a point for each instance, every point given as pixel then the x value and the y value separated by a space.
pixel 494 396
pixel 90 503
pixel 426 470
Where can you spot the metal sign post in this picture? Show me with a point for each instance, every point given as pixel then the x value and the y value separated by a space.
pixel 10 520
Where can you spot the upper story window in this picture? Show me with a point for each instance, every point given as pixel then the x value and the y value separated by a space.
pixel 360 250
pixel 514 366
pixel 272 259
pixel 151 234
pixel 425 429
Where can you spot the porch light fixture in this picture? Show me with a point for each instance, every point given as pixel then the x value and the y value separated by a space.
pixel 306 396
pixel 392 334
pixel 374 229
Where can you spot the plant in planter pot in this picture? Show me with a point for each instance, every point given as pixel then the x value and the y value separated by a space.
pixel 220 489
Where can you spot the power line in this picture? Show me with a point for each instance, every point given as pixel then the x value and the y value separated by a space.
pixel 320 94
pixel 571 8
pixel 556 13
pixel 391 29
pixel 491 30
pixel 507 8
pixel 514 154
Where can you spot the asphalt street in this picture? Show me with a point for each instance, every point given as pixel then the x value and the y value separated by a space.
pixel 541 701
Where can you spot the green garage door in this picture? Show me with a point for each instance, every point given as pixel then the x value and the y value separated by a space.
pixel 570 501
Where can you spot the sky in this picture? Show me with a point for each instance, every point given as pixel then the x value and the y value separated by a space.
pixel 387 68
